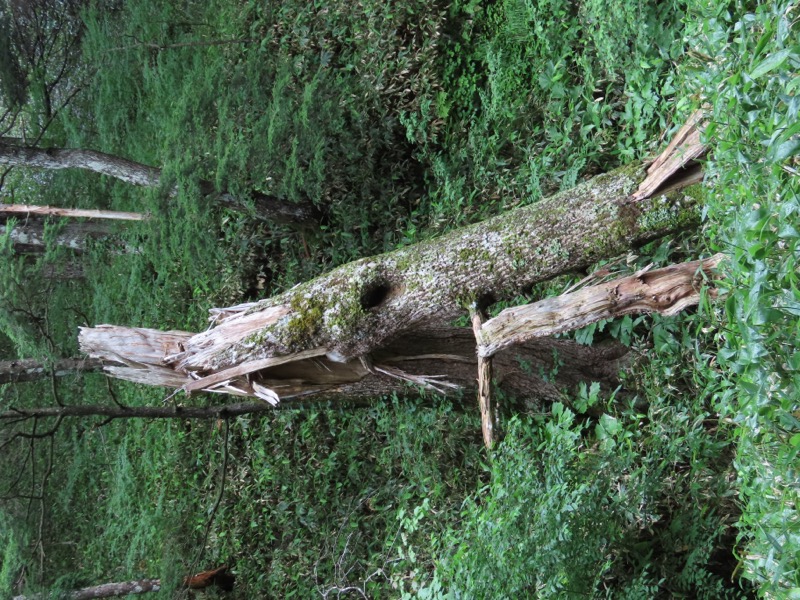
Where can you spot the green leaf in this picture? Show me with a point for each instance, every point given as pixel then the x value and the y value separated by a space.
pixel 772 62
pixel 784 150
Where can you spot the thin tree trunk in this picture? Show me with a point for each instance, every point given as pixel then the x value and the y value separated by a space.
pixel 29 236
pixel 19 370
pixel 25 210
pixel 13 153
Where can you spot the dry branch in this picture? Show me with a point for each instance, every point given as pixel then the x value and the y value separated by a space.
pixel 667 291
pixel 485 376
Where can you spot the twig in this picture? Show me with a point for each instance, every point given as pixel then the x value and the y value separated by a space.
pixel 219 498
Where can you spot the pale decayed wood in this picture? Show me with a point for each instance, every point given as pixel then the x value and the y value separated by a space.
pixel 442 359
pixel 136 354
pixel 684 148
pixel 55 211
pixel 666 291
pixel 485 400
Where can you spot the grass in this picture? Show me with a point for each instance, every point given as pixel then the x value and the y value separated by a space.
pixel 401 122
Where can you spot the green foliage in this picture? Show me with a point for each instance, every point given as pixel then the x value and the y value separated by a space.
pixel 753 213
pixel 537 94
pixel 399 121
pixel 632 503
pixel 315 493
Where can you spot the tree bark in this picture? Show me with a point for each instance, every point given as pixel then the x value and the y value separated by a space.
pixel 13 153
pixel 20 370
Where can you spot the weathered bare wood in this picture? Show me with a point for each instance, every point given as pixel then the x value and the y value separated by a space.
pixel 30 234
pixel 14 152
pixel 684 148
pixel 485 399
pixel 666 291
pixel 106 590
pixel 527 371
pixel 19 370
pixel 13 210
pixel 137 354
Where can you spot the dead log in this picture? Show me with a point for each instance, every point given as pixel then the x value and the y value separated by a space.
pixel 27 369
pixel 14 152
pixel 219 578
pixel 343 319
pixel 105 590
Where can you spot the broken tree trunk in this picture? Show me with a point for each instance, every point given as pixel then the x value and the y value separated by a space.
pixel 355 308
pixel 442 359
pixel 354 311
pixel 14 153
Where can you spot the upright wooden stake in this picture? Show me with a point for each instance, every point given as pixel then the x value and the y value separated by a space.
pixel 485 400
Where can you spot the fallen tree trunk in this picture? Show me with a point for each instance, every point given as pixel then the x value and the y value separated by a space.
pixel 353 309
pixel 356 310
pixel 14 153
pixel 30 234
pixel 106 590
pixel 219 578
pixel 442 359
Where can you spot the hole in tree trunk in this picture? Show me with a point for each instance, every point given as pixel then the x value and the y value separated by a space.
pixel 374 294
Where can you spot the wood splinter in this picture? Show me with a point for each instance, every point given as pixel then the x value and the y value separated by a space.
pixel 485 401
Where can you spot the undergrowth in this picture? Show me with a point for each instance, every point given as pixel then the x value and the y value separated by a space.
pixel 399 121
